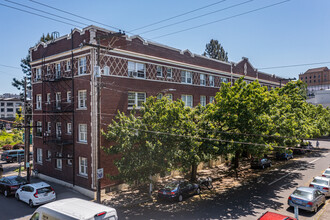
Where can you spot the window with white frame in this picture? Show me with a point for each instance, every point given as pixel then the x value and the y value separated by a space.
pixel 69 128
pixel 39 129
pixel 38 74
pixel 169 96
pixel 159 71
pixel 38 100
pixel 106 70
pixel 136 69
pixel 48 70
pixel 202 79
pixel 186 77
pixel 82 65
pixel 82 133
pixel 212 99
pixel 58 100
pixel 168 72
pixel 82 97
pixel 83 166
pixel 39 155
pixel 188 100
pixel 68 65
pixel 69 160
pixel 59 161
pixel 58 70
pixel 49 155
pixel 49 127
pixel 48 98
pixel 68 96
pixel 159 96
pixel 136 99
pixel 203 100
pixel 211 81
pixel 58 130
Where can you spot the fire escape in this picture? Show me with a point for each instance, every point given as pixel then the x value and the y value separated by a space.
pixel 58 109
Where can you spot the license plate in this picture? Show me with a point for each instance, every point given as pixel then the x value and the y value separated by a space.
pixel 298 202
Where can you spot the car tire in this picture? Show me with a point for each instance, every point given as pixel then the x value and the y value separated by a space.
pixel 17 196
pixel 180 198
pixel 31 203
pixel 198 191
pixel 5 193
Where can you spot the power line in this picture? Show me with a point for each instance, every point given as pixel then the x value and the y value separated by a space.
pixel 46 12
pixel 294 65
pixel 78 16
pixel 223 19
pixel 29 12
pixel 203 15
pixel 180 15
pixel 14 67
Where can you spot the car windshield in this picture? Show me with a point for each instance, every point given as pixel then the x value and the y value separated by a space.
pixel 327 172
pixel 171 186
pixel 321 182
pixel 45 190
pixel 17 180
pixel 303 194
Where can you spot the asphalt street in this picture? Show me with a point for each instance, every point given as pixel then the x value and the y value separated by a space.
pixel 269 192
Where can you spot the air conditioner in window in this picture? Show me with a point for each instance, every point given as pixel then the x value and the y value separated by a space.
pixel 132 74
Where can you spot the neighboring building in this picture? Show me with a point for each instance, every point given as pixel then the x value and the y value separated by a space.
pixel 9 107
pixel 64 95
pixel 9 95
pixel 321 97
pixel 316 79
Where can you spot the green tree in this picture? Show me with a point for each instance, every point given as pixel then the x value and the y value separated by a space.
pixel 215 50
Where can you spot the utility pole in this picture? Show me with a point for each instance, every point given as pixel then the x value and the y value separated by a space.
pixel 27 116
pixel 98 82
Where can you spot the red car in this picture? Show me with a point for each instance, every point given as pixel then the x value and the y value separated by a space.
pixel 274 216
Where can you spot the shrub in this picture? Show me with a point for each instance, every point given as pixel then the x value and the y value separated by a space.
pixel 18 146
pixel 7 147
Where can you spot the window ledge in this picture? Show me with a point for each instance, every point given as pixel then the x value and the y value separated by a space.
pixel 39 163
pixel 85 108
pixel 80 142
pixel 59 169
pixel 83 175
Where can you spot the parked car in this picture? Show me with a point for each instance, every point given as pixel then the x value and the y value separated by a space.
pixel 260 163
pixel 36 194
pixel 322 184
pixel 274 216
pixel 284 156
pixel 9 184
pixel 178 190
pixel 307 198
pixel 326 173
pixel 74 208
pixel 14 155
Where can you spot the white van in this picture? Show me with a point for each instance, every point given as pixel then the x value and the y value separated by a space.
pixel 74 209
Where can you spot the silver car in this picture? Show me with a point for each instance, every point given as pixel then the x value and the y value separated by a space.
pixel 322 184
pixel 326 173
pixel 307 198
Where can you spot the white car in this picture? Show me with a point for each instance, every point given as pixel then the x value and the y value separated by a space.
pixel 326 173
pixel 322 184
pixel 36 194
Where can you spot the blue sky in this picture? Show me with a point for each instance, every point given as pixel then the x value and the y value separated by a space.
pixel 295 32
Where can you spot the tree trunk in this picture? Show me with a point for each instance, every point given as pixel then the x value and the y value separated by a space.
pixel 236 163
pixel 193 172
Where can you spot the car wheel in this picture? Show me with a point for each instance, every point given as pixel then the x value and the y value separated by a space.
pixel 6 193
pixel 198 191
pixel 31 203
pixel 17 196
pixel 180 198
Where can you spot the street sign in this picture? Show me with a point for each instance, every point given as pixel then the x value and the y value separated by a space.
pixel 100 173
pixel 27 164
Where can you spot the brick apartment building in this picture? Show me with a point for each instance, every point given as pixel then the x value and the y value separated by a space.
pixel 64 94
pixel 316 79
